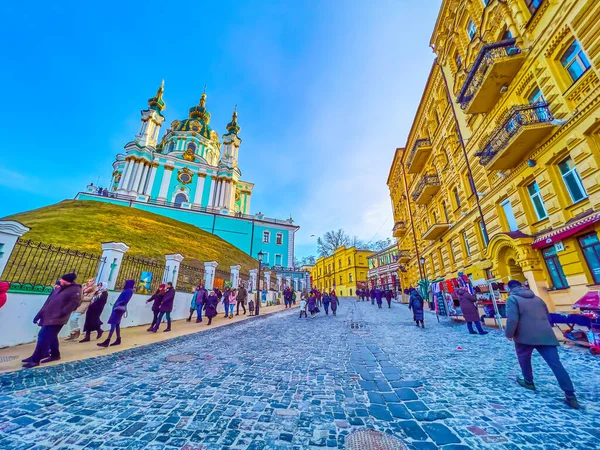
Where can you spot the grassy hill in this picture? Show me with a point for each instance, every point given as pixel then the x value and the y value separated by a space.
pixel 83 225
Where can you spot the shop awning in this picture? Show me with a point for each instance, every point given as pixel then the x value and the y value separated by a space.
pixel 561 233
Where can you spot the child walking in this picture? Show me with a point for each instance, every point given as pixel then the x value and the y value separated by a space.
pixel 303 307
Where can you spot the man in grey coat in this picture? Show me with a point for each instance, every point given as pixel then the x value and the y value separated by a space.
pixel 528 326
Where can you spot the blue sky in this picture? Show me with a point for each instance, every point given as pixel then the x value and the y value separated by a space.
pixel 325 91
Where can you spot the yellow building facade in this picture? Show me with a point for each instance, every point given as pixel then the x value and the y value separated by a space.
pixel 499 177
pixel 342 270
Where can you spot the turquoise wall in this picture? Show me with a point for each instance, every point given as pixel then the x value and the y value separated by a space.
pixel 157 182
pixel 271 248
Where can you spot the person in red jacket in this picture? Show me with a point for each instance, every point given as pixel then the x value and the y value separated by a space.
pixel 3 289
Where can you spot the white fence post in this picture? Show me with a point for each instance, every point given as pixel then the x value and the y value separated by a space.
pixel 10 232
pixel 172 263
pixel 113 253
pixel 235 276
pixel 253 275
pixel 209 274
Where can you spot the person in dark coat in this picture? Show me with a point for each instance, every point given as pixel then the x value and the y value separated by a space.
pixel 118 311
pixel 326 301
pixel 92 316
pixel 201 296
pixel 312 305
pixel 210 308
pixel 528 326
pixel 334 303
pixel 416 304
pixel 156 300
pixel 378 296
pixel 241 299
pixel 166 306
pixel 388 297
pixel 287 297
pixel 372 293
pixel 55 313
pixel 468 305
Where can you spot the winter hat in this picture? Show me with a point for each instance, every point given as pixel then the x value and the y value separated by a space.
pixel 513 284
pixel 69 277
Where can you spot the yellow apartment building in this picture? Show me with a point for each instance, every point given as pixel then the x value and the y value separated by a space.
pixel 499 177
pixel 341 271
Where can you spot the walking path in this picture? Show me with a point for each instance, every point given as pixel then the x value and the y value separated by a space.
pixel 280 382
pixel 132 337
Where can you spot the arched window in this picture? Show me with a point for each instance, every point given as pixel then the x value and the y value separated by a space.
pixel 456 197
pixel 171 146
pixel 179 199
pixel 191 146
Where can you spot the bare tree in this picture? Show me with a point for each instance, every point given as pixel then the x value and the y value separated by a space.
pixel 331 241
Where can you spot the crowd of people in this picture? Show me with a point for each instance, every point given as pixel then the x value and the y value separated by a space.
pixel 376 295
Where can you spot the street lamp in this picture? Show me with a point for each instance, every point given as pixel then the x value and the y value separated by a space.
pixel 258 291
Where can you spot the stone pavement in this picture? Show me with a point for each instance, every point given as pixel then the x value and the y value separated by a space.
pixel 279 382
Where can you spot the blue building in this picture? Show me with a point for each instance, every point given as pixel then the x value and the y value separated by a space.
pixel 192 176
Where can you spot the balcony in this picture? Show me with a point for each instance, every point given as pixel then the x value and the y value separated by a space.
pixel 427 187
pixel 418 155
pixel 435 231
pixel 404 256
pixel 524 128
pixel 493 70
pixel 399 229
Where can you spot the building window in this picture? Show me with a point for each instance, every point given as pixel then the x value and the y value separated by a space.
pixel 535 96
pixel 339 263
pixel 575 61
pixel 441 258
pixel 537 200
pixel 572 180
pixel 471 29
pixel 559 281
pixel 279 238
pixel 266 237
pixel 533 5
pixel 466 242
pixel 341 279
pixel 456 197
pixel 590 245
pixel 509 215
pixel 171 146
pixel 485 2
pixel 179 199
pixel 484 235
pixel 265 259
pixel 350 278
pixel 192 147
pixel 278 260
pixel 349 261
pixel 457 60
pixel 451 252
pixel 445 209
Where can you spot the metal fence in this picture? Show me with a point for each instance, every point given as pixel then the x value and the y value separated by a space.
pixel 146 273
pixel 189 277
pixel 35 266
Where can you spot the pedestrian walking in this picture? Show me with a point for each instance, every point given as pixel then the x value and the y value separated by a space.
pixel 293 297
pixel 303 305
pixel 388 297
pixel 379 297
pixel 287 297
pixel 210 308
pixel 118 311
pixel 193 304
pixel 156 300
pixel 251 305
pixel 88 292
pixel 232 300
pixel 334 303
pixel 202 295
pixel 468 305
pixel 92 317
pixel 416 303
pixel 326 302
pixel 53 315
pixel 528 326
pixel 165 308
pixel 372 293
pixel 319 299
pixel 312 305
pixel 242 295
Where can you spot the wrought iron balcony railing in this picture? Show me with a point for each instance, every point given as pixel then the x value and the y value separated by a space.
pixel 487 57
pixel 427 180
pixel 517 118
pixel 425 142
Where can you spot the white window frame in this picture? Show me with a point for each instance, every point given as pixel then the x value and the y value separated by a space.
pixel 471 29
pixel 266 234
pixel 514 219
pixel 265 258
pixel 537 194
pixel 280 259
pixel 466 241
pixel 572 172
pixel 279 239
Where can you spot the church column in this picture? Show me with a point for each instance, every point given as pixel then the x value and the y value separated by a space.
pixel 213 181
pixel 140 187
pixel 224 193
pixel 138 176
pixel 199 189
pixel 148 187
pixel 124 181
pixel 247 211
pixel 127 187
pixel 232 196
pixel 166 180
pixel 217 192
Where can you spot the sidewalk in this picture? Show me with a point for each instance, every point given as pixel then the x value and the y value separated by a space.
pixel 10 357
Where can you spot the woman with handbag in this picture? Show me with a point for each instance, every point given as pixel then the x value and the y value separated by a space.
pixel 92 317
pixel 118 311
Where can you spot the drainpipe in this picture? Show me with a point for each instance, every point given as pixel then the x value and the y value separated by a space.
pixel 412 223
pixel 464 149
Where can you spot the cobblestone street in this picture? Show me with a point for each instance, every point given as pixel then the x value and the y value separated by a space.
pixel 279 382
